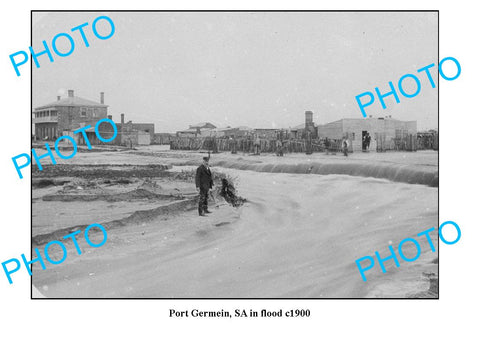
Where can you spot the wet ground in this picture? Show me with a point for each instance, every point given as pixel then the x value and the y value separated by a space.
pixel 298 235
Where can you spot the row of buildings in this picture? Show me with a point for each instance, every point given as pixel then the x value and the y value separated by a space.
pixel 66 115
pixel 383 130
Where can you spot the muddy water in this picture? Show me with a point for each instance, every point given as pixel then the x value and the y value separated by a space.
pixel 298 236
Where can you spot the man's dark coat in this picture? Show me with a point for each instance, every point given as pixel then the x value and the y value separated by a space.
pixel 203 179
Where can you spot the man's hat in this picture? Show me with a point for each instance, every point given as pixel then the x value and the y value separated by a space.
pixel 205 159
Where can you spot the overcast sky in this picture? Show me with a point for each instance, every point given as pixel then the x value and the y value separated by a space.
pixel 231 69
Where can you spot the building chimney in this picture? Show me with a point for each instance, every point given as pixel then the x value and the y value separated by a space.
pixel 308 117
pixel 70 93
pixel 58 98
pixel 122 119
pixel 109 117
pixel 101 97
pixel 309 121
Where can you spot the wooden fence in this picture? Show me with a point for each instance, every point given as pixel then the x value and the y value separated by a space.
pixel 405 143
pixel 246 145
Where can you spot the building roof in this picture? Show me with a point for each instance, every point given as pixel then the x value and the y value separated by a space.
pixel 300 127
pixel 369 119
pixel 71 101
pixel 194 130
pixel 224 129
pixel 374 118
pixel 188 131
pixel 201 125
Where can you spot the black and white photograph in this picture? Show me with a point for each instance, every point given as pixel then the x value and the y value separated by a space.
pixel 235 155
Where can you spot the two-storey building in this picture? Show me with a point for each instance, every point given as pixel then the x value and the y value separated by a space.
pixel 66 115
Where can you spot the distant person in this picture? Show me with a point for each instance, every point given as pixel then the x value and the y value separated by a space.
pixel 203 182
pixel 214 145
pixel 327 145
pixel 308 143
pixel 367 141
pixel 233 145
pixel 256 145
pixel 279 147
pixel 345 147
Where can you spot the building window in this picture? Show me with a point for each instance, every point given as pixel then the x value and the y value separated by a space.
pixel 83 111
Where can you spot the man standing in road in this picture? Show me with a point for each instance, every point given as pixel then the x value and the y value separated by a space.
pixel 203 182
pixel 345 146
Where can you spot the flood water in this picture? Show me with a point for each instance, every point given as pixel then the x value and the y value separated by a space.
pixel 298 236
